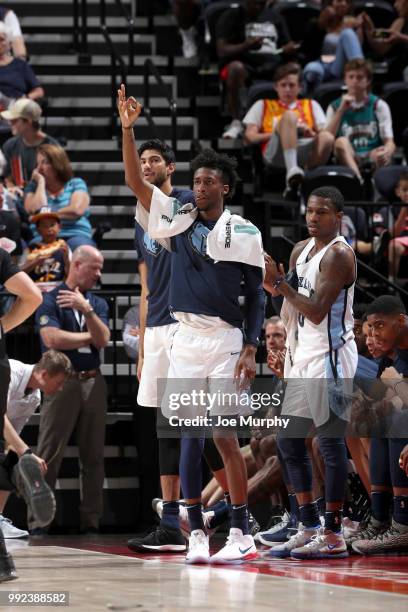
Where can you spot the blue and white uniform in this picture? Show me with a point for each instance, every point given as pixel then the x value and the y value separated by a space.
pixel 323 351
pixel 204 298
pixel 160 325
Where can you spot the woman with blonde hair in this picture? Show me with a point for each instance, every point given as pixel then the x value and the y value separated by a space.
pixel 54 186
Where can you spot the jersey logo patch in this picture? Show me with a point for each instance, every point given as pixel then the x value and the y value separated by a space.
pixel 151 246
pixel 44 320
pixel 198 239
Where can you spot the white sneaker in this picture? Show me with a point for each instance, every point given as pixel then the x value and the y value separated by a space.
pixel 10 531
pixel 238 549
pixel 327 545
pixel 294 177
pixel 198 547
pixel 302 537
pixel 233 130
pixel 188 42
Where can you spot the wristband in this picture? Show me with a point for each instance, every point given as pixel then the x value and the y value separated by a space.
pixel 28 452
pixel 277 282
pixel 89 312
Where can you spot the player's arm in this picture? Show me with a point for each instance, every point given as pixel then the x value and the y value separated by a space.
pixel 142 315
pixel 61 340
pixel 270 275
pixel 337 270
pixel 13 439
pixel 28 300
pixel 129 111
pixel 255 313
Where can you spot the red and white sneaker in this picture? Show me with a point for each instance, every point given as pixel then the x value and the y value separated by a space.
pixel 238 549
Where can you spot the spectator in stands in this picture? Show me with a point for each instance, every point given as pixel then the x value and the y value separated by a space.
pixel 9 221
pixel 392 42
pixel 76 321
pixel 360 122
pixel 12 24
pixel 251 39
pixel 24 397
pixel 20 151
pixel 17 79
pixel 275 338
pixel 333 41
pixel 48 260
pixel 131 333
pixel 187 13
pixel 290 131
pixel 53 185
pixel 398 246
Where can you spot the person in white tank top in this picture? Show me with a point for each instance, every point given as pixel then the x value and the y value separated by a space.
pixel 323 364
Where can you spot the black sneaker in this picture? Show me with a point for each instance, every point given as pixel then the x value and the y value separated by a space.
pixel 161 540
pixel 7 568
pixel 37 494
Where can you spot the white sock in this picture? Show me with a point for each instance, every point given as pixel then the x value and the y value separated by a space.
pixel 290 156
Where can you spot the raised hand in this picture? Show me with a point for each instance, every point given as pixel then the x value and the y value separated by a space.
pixel 129 108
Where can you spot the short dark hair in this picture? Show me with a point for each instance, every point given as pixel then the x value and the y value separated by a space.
pixel 208 158
pixel 386 305
pixel 161 147
pixel 285 70
pixel 359 63
pixel 332 194
pixel 403 176
pixel 359 311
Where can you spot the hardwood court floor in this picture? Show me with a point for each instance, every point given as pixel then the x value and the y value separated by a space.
pixel 102 574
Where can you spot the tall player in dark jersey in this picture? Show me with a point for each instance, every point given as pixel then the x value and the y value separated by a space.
pixel 204 295
pixel 28 299
pixel 157 329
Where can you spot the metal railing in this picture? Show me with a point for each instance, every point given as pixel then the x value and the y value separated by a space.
pixel 117 68
pixel 130 27
pixel 80 30
pixel 151 69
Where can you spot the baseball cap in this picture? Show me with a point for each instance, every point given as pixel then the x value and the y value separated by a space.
pixel 23 109
pixel 45 213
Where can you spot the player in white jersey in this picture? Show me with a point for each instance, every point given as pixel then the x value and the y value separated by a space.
pixel 322 368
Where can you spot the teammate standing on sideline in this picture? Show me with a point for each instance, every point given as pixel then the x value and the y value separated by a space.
pixel 157 328
pixel 326 271
pixel 28 299
pixel 204 298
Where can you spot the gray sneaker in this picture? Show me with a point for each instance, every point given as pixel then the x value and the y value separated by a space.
pixel 10 531
pixel 37 494
pixel 369 530
pixel 395 538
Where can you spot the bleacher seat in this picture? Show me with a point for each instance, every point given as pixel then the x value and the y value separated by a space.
pixel 385 180
pixel 396 95
pixel 260 90
pixel 341 177
pixel 381 12
pixel 297 14
pixel 328 92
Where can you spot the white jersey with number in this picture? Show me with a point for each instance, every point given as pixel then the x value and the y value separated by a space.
pixel 336 329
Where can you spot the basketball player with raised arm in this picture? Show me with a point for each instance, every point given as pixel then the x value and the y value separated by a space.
pixel 204 298
pixel 322 368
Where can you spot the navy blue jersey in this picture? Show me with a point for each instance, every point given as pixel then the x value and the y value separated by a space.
pixel 199 285
pixel 49 314
pixel 401 362
pixel 158 264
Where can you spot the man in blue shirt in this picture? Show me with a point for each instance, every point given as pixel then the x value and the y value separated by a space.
pixel 75 321
pixel 204 297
